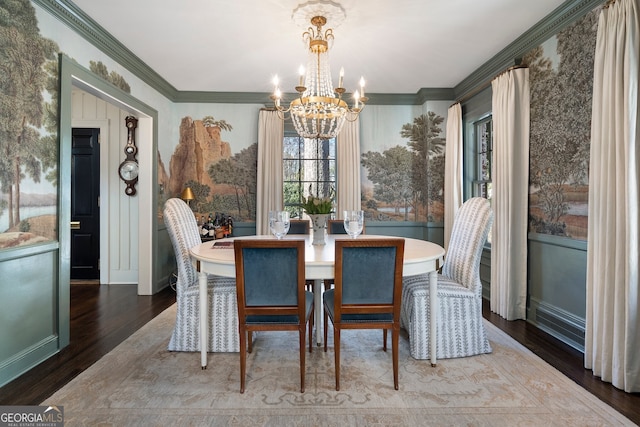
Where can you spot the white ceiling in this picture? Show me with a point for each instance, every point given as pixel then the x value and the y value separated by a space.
pixel 399 46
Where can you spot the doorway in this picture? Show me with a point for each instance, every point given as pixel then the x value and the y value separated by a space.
pixel 85 204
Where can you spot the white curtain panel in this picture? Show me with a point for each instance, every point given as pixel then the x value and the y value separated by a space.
pixel 348 168
pixel 510 181
pixel 452 169
pixel 612 341
pixel 270 171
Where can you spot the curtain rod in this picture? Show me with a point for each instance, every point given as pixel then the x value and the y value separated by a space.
pixel 488 83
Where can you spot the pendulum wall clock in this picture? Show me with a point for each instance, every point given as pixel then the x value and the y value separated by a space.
pixel 129 168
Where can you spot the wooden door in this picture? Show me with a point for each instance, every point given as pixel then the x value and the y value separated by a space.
pixel 85 199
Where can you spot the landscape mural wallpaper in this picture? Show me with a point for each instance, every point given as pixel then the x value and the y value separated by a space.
pixel 405 181
pixel 561 81
pixel 403 173
pixel 222 181
pixel 29 126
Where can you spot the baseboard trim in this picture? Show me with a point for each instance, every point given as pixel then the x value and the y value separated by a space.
pixel 557 322
pixel 28 358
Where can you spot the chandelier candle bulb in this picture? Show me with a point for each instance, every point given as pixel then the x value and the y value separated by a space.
pixel 356 96
pixel 362 86
pixel 340 80
pixel 278 95
pixel 301 72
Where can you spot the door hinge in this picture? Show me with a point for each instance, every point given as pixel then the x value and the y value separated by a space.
pixel 98 263
pixel 98 201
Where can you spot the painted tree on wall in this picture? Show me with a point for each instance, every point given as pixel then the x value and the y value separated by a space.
pixel 240 173
pixel 112 77
pixel 427 144
pixel 560 125
pixel 23 78
pixel 391 173
pixel 210 121
pixel 412 176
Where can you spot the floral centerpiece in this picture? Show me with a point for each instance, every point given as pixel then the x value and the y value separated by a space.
pixel 318 209
pixel 313 205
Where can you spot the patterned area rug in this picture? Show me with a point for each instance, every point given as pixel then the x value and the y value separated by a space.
pixel 141 383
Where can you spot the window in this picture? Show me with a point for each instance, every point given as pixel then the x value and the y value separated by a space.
pixel 483 162
pixel 309 168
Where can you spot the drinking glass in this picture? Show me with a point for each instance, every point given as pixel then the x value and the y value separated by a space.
pixel 279 223
pixel 353 223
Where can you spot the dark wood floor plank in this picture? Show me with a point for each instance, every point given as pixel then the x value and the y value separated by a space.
pixel 103 316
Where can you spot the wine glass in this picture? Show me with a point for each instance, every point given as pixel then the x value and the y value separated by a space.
pixel 353 223
pixel 279 223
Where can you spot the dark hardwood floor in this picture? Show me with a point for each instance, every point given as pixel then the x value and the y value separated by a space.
pixel 103 316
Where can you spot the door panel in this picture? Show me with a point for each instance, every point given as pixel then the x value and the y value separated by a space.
pixel 85 193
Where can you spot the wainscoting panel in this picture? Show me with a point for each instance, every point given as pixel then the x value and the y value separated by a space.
pixel 29 295
pixel 557 287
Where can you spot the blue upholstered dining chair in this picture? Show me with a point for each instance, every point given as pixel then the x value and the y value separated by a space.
pixel 336 226
pixel 299 226
pixel 460 328
pixel 221 291
pixel 368 281
pixel 271 294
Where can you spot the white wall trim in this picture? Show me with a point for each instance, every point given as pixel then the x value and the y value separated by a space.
pixel 144 195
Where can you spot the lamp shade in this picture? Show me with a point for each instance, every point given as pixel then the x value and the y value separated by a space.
pixel 187 194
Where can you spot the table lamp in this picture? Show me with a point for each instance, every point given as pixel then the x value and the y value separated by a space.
pixel 187 195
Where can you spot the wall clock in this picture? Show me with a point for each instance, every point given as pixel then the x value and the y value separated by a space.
pixel 129 168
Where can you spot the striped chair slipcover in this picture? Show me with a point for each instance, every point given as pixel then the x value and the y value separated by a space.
pixel 460 328
pixel 221 291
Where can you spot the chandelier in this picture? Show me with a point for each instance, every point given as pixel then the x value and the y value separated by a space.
pixel 319 110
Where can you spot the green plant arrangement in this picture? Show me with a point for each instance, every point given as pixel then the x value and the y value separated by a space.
pixel 313 205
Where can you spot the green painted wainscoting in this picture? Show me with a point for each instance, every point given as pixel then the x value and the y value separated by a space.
pixel 557 287
pixel 29 309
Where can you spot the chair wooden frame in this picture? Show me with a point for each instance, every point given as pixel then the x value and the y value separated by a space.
pixel 280 314
pixel 340 309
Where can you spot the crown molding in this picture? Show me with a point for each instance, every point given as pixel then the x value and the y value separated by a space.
pixel 423 95
pixel 81 23
pixel 564 15
pixel 222 97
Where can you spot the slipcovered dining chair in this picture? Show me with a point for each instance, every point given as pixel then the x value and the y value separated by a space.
pixel 368 281
pixel 460 328
pixel 271 294
pixel 221 291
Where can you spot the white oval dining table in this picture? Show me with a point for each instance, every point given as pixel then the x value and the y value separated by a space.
pixel 217 257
